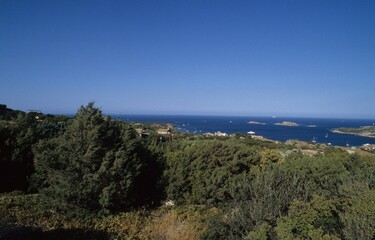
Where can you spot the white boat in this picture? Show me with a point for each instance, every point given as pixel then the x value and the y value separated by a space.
pixel 314 140
pixel 251 132
pixel 326 135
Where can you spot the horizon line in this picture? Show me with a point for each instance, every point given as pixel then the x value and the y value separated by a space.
pixel 224 115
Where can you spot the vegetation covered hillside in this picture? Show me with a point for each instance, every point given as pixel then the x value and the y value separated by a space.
pixel 92 177
pixel 19 133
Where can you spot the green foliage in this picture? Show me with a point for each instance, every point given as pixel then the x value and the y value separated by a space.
pixel 324 174
pixel 52 126
pixel 267 195
pixel 7 113
pixel 262 232
pixel 204 173
pixel 257 203
pixel 18 134
pixel 308 220
pixel 217 228
pixel 269 157
pixel 97 164
pixel 358 211
pixel 16 159
pixel 362 169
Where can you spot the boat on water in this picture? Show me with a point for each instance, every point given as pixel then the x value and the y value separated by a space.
pixel 313 140
pixel 251 132
pixel 326 135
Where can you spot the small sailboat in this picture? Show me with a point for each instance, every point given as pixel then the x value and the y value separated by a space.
pixel 313 140
pixel 347 144
pixel 326 135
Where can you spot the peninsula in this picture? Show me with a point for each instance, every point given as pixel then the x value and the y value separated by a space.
pixel 365 131
pixel 287 124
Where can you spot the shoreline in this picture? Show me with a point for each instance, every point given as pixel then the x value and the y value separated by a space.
pixel 351 133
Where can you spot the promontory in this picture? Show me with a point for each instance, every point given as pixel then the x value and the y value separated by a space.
pixel 365 131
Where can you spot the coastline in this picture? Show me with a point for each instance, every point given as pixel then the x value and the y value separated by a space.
pixel 307 130
pixel 352 133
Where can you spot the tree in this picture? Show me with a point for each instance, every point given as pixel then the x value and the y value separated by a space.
pixel 97 165
pixel 19 132
pixel 16 158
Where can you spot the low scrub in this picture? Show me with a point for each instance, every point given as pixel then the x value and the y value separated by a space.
pixel 28 214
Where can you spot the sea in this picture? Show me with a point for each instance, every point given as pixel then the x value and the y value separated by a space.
pixel 308 129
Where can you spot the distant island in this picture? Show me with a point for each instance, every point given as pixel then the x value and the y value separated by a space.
pixel 365 131
pixel 255 122
pixel 287 124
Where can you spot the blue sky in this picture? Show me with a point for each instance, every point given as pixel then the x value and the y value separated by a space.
pixel 292 58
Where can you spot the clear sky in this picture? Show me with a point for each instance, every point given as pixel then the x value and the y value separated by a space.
pixel 296 58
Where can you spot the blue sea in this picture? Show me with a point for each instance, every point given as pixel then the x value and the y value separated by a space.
pixel 308 129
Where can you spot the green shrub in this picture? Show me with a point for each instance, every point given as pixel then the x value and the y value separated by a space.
pixel 358 211
pixel 257 202
pixel 308 220
pixel 205 172
pixel 97 165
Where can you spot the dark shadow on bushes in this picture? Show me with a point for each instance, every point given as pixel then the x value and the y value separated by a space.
pixel 74 234
pixel 14 232
pixel 13 176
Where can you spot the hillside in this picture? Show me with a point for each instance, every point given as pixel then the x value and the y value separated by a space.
pixel 92 177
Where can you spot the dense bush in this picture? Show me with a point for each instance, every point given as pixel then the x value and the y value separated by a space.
pixel 97 164
pixel 357 214
pixel 257 203
pixel 19 132
pixel 207 171
pixel 324 173
pixel 320 197
pixel 314 219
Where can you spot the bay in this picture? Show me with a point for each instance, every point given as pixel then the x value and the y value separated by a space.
pixel 307 129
